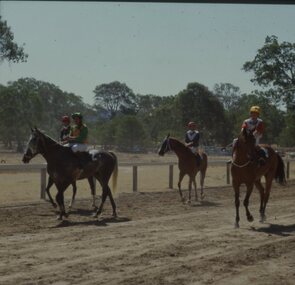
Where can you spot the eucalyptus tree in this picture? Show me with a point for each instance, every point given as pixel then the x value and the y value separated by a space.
pixel 9 50
pixel 274 68
pixel 115 97
pixel 197 103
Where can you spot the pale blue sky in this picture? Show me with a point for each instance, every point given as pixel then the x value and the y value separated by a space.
pixel 155 48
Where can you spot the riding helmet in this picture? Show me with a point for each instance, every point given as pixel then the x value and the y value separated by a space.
pixel 77 114
pixel 255 109
pixel 192 124
pixel 65 119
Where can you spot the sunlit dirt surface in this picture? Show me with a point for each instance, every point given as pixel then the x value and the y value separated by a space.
pixel 156 239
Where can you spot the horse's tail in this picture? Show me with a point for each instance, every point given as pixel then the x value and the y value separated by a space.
pixel 115 172
pixel 280 172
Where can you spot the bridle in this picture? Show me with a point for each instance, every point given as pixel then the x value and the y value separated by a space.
pixel 244 164
pixel 168 146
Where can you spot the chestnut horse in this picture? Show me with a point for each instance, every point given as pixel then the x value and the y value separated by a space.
pixel 63 167
pixel 246 170
pixel 187 164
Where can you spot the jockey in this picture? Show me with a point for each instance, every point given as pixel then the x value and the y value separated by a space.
pixel 79 133
pixel 66 129
pixel 77 139
pixel 254 124
pixel 192 137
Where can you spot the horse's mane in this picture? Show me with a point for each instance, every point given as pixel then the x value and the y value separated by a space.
pixel 181 144
pixel 52 141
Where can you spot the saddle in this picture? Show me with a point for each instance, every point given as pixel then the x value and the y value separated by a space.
pixel 261 154
pixel 198 158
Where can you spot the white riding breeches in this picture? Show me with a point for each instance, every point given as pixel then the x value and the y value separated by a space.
pixel 77 146
pixel 194 149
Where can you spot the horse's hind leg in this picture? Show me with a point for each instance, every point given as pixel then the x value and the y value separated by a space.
pixel 268 183
pixel 74 195
pixel 237 204
pixel 92 187
pixel 202 179
pixel 195 188
pixel 246 202
pixel 261 192
pixel 112 202
pixel 181 175
pixel 50 183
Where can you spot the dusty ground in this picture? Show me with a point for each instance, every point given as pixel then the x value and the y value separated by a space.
pixel 155 240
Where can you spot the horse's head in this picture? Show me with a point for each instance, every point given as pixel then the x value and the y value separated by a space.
pixel 165 146
pixel 246 142
pixel 34 145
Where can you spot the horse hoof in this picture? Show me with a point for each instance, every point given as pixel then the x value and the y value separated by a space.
pixel 250 219
pixel 237 225
pixel 262 219
pixel 54 205
pixel 202 196
pixel 115 215
pixel 59 218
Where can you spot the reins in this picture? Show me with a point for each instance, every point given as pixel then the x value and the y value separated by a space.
pixel 241 165
pixel 168 146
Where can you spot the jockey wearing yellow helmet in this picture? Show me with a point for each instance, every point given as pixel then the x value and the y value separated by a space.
pixel 254 123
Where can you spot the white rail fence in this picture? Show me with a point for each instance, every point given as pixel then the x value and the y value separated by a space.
pixel 43 173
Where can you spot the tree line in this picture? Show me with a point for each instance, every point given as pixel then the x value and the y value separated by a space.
pixel 134 122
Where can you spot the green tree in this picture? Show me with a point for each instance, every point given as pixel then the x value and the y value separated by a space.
pixel 19 110
pixel 115 97
pixel 197 103
pixel 274 67
pixel 9 50
pixel 228 94
pixel 130 134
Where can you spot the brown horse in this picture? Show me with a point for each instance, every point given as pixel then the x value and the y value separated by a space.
pixel 187 164
pixel 246 169
pixel 63 166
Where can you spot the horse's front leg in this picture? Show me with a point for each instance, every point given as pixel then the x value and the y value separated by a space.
pixel 246 202
pixel 60 202
pixel 74 195
pixel 181 175
pixel 237 204
pixel 50 183
pixel 60 199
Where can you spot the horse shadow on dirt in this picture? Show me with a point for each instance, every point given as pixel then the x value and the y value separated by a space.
pixel 275 229
pixel 205 204
pixel 101 221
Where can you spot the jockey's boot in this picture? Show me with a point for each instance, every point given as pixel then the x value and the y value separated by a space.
pixel 261 156
pixel 83 159
pixel 198 159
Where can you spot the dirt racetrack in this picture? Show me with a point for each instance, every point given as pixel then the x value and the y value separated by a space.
pixel 155 240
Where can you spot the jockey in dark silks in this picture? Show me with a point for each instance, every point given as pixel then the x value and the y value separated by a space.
pixel 192 137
